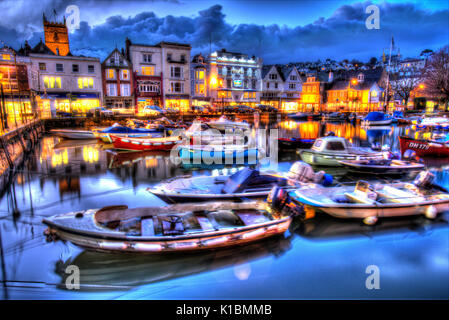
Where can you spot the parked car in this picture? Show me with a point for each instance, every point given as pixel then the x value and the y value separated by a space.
pixel 100 111
pixel 245 109
pixel 153 111
pixel 266 108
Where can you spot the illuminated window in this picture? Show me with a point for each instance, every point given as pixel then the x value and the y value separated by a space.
pixel 110 73
pixel 125 74
pixel 42 66
pixel 199 88
pixel 199 74
pixel 52 82
pixel 6 57
pixel 177 87
pixel 85 83
pixel 148 71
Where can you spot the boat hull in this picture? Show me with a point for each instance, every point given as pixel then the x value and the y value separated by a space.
pixel 73 134
pixel 353 166
pixel 197 155
pixel 135 144
pixel 424 147
pixel 331 160
pixel 368 123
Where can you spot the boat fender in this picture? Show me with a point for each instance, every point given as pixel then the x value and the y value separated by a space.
pixel 327 180
pixel 424 179
pixel 370 220
pixel 431 212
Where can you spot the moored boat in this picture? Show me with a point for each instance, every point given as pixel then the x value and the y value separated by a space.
pixel 370 202
pixel 224 123
pixel 381 167
pixel 246 183
pixel 176 228
pixel 121 131
pixel 295 143
pixel 423 147
pixel 145 144
pixel 73 134
pixel 328 151
pixel 377 118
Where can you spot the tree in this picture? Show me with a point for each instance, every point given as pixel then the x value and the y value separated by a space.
pixel 426 53
pixel 403 85
pixel 372 61
pixel 436 76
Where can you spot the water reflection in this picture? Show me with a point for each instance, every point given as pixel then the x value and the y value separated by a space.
pixel 66 175
pixel 106 271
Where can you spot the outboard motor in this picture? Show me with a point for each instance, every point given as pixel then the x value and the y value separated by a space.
pixel 279 200
pixel 424 179
pixel 376 146
pixel 303 172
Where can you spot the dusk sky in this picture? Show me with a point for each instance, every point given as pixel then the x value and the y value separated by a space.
pixel 278 31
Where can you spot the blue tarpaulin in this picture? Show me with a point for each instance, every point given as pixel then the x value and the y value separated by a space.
pixel 376 116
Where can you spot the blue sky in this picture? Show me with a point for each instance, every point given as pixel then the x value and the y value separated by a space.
pixel 279 31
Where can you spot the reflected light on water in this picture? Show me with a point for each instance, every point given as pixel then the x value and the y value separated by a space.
pixel 90 154
pixel 242 271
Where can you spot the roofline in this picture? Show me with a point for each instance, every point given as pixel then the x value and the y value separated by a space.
pixel 47 56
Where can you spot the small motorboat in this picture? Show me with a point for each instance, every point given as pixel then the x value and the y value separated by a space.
pixel 121 131
pixel 224 123
pixel 175 228
pixel 145 144
pixel 303 116
pixel 436 147
pixel 381 167
pixel 73 134
pixel 334 116
pixel 377 118
pixel 245 183
pixel 295 143
pixel 437 123
pixel 370 202
pixel 330 150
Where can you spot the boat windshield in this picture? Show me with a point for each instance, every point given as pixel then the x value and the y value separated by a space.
pixel 239 180
pixel 335 146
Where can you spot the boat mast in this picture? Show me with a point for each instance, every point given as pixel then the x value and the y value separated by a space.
pixel 388 74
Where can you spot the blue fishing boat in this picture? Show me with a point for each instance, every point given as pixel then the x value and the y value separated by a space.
pixel 377 118
pixel 218 154
pixel 122 131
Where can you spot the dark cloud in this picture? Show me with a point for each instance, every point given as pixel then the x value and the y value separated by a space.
pixel 342 35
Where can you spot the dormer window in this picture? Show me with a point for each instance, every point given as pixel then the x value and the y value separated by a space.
pixel 361 77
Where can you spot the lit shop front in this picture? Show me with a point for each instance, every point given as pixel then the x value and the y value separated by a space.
pixel 290 106
pixel 49 104
pixel 18 110
pixel 177 102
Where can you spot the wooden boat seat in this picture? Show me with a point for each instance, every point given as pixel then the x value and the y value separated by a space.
pixel 392 194
pixel 359 197
pixel 251 218
pixel 147 227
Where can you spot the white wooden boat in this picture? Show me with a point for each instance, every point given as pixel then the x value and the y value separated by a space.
pixel 245 183
pixel 329 151
pixel 224 123
pixel 176 228
pixel 73 134
pixel 384 166
pixel 370 202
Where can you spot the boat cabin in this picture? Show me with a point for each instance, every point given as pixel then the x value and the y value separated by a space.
pixel 331 144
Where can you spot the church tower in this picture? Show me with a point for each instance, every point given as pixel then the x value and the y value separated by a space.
pixel 56 37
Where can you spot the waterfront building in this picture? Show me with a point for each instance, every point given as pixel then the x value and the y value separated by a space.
pixel 313 92
pixel 117 78
pixel 292 89
pixel 199 74
pixel 161 74
pixel 235 78
pixel 16 98
pixel 272 86
pixel 64 83
pixel 356 91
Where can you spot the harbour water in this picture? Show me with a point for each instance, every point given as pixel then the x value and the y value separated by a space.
pixel 320 258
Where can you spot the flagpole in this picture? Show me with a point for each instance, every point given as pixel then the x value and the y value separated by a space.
pixel 388 75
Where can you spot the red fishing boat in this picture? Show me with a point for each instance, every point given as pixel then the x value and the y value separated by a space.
pixel 424 147
pixel 143 144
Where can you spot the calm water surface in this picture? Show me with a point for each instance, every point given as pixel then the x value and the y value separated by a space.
pixel 321 258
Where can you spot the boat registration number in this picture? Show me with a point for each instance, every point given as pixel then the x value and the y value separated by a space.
pixel 418 145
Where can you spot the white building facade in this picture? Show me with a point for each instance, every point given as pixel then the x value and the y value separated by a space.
pixel 69 84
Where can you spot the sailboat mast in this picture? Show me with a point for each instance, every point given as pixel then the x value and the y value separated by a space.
pixel 388 75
